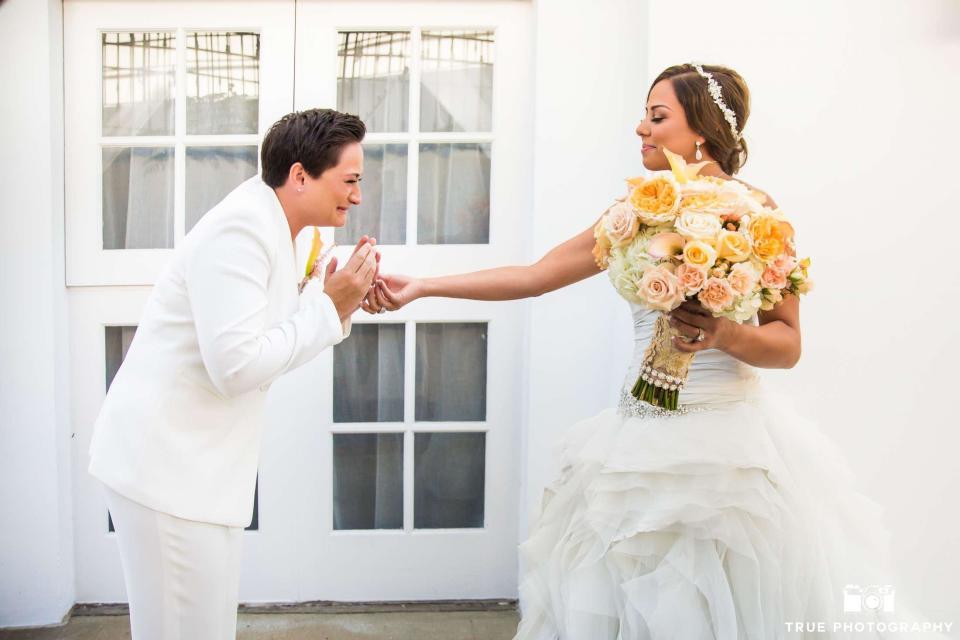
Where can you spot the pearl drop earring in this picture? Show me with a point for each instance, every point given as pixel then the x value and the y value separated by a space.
pixel 699 154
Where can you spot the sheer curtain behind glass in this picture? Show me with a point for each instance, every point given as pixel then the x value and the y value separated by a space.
pixel 138 197
pixel 454 195
pixel 451 376
pixel 456 81
pixel 367 481
pixel 373 79
pixel 223 82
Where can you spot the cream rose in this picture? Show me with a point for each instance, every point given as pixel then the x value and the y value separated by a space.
pixel 717 295
pixel 733 246
pixel 660 289
pixel 621 224
pixel 697 253
pixel 743 278
pixel 691 278
pixel 698 225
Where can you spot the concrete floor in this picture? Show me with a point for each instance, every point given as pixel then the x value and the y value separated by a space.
pixel 408 625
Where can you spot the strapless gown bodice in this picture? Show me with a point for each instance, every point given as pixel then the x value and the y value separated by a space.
pixel 715 377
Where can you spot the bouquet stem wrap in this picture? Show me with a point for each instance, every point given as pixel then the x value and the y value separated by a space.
pixel 664 369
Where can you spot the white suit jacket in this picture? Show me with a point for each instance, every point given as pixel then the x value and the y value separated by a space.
pixel 179 430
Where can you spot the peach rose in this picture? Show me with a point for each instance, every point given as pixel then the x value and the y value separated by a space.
pixel 717 295
pixel 621 224
pixel 697 253
pixel 660 289
pixel 771 235
pixel 743 278
pixel 773 278
pixel 691 278
pixel 785 263
pixel 656 200
pixel 733 246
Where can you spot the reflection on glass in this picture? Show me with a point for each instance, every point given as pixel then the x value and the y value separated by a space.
pixel 382 213
pixel 448 480
pixel 223 82
pixel 138 78
pixel 137 197
pixel 456 81
pixel 367 481
pixel 368 374
pixel 373 77
pixel 212 173
pixel 116 342
pixel 454 196
pixel 451 372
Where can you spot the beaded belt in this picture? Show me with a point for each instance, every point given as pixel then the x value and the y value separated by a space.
pixel 630 407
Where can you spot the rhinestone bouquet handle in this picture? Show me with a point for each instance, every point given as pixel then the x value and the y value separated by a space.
pixel 664 369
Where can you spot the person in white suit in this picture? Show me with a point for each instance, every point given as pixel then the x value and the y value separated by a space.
pixel 177 440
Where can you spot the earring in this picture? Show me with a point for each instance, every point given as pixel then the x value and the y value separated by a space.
pixel 299 189
pixel 699 154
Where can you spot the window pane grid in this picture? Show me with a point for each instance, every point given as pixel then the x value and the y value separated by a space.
pixel 445 72
pixel 438 466
pixel 191 94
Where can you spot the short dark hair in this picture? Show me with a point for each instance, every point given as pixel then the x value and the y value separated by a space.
pixel 315 138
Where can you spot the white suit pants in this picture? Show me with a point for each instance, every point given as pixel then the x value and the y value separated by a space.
pixel 182 577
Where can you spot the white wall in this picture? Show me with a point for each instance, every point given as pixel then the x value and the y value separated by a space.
pixel 854 131
pixel 590 88
pixel 36 548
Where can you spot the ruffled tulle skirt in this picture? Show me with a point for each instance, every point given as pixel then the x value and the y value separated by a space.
pixel 742 521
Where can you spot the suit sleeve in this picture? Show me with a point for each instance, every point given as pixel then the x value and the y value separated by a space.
pixel 227 280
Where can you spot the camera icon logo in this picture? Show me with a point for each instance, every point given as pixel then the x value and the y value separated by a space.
pixel 873 597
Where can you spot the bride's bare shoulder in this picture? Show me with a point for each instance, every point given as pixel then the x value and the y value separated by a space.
pixel 770 202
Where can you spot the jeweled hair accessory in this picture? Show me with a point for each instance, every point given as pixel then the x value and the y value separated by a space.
pixel 717 93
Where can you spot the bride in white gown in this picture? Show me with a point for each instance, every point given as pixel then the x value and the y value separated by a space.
pixel 732 518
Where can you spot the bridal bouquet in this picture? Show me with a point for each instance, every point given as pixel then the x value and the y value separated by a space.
pixel 681 236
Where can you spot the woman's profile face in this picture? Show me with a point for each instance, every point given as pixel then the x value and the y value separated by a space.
pixel 665 125
pixel 331 195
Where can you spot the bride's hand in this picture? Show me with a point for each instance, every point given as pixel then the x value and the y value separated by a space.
pixel 391 292
pixel 690 318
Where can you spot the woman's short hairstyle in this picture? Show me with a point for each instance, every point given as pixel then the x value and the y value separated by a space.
pixel 314 138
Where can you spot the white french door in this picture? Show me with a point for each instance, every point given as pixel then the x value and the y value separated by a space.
pixel 390 464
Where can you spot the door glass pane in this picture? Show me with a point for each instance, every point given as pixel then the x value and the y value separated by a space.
pixel 138 78
pixel 367 481
pixel 454 195
pixel 368 374
pixel 382 213
pixel 373 78
pixel 451 372
pixel 137 197
pixel 448 484
pixel 116 343
pixel 212 173
pixel 456 81
pixel 223 82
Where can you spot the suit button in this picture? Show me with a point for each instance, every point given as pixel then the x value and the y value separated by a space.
pixel 264 387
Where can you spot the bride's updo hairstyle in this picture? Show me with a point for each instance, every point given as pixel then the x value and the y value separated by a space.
pixel 705 117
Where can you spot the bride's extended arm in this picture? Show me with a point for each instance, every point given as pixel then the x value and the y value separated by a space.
pixel 565 264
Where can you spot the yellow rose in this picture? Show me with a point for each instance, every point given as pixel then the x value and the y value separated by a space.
pixel 697 253
pixel 601 250
pixel 733 246
pixel 656 200
pixel 770 236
